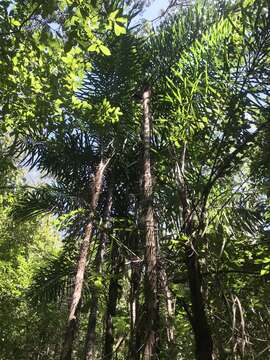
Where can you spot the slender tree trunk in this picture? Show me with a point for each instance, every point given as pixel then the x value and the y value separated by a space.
pixel 169 315
pixel 91 329
pixel 134 341
pixel 150 287
pixel 81 266
pixel 199 322
pixel 111 303
pixel 201 329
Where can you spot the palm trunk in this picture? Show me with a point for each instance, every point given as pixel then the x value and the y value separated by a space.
pixel 134 341
pixel 150 288
pixel 201 329
pixel 111 303
pixel 169 315
pixel 199 322
pixel 81 266
pixel 91 329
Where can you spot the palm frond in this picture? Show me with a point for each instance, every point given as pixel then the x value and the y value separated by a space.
pixel 43 200
pixel 53 281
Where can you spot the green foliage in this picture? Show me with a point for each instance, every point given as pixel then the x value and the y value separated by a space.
pixel 72 96
pixel 24 248
pixel 46 53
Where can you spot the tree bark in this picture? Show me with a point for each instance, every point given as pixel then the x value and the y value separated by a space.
pixel 91 328
pixel 169 315
pixel 201 329
pixel 150 286
pixel 134 341
pixel 111 303
pixel 81 265
pixel 199 322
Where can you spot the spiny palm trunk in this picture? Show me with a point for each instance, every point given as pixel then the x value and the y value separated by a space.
pixel 91 329
pixel 150 287
pixel 201 329
pixel 81 266
pixel 112 302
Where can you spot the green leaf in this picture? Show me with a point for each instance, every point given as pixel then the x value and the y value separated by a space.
pixel 113 15
pixel 265 271
pixel 121 20
pixel 119 30
pixel 105 50
pixel 93 48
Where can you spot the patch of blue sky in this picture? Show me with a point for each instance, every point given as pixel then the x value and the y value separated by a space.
pixel 155 9
pixel 152 12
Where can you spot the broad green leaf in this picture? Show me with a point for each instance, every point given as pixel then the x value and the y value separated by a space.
pixel 105 50
pixel 119 30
